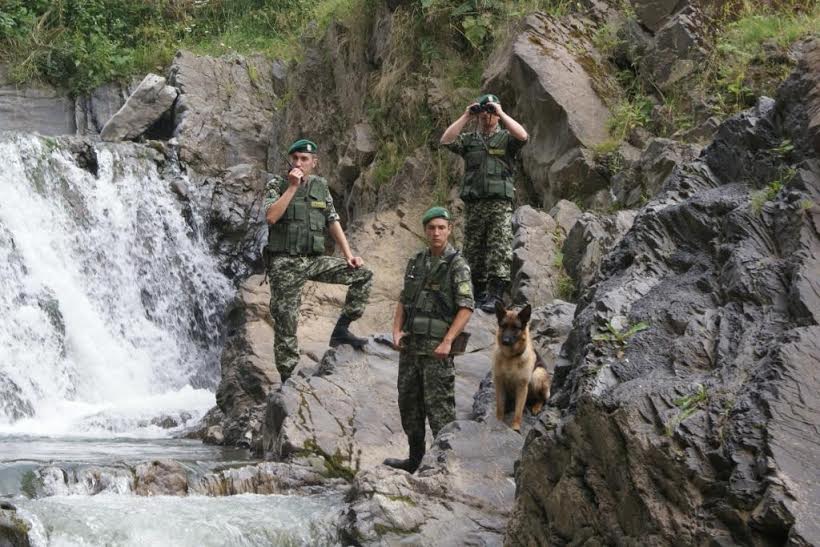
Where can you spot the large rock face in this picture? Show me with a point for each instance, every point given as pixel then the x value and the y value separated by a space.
pixel 347 412
pixel 224 113
pixel 34 109
pixel 555 92
pixel 701 428
pixel 248 370
pixel 461 494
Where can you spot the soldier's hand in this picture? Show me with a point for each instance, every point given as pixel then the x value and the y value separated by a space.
pixel 355 262
pixel 442 350
pixel 397 336
pixel 295 176
pixel 468 111
pixel 497 108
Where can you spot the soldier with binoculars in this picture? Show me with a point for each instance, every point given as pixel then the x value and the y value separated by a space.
pixel 488 192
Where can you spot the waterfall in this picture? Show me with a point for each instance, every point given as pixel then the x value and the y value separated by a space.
pixel 110 303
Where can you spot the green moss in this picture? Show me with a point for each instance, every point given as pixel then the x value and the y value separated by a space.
pixel 336 464
pixel 403 499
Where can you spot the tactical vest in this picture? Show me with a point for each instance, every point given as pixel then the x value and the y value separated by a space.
pixel 430 308
pixel 487 172
pixel 301 229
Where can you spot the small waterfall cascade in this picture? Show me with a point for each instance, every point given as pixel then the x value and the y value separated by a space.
pixel 110 303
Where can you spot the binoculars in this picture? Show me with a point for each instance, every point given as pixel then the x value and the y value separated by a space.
pixel 486 107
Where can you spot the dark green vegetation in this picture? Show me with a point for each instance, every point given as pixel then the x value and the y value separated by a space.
pixel 80 44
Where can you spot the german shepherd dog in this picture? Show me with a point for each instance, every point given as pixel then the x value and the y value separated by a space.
pixel 518 371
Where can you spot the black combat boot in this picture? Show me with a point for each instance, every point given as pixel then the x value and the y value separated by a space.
pixel 341 334
pixel 479 291
pixel 495 293
pixel 416 454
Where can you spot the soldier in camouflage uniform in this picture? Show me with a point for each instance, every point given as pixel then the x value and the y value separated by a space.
pixel 488 193
pixel 435 304
pixel 300 216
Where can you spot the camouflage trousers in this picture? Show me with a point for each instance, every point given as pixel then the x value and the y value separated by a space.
pixel 426 391
pixel 288 275
pixel 488 240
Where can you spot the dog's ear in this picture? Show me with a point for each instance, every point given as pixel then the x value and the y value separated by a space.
pixel 500 310
pixel 524 314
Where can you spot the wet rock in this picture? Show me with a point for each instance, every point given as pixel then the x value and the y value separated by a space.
pixel 702 426
pixel 215 435
pixel 34 109
pixel 533 268
pixel 83 480
pixel 149 101
pixel 224 113
pixel 160 478
pixel 248 371
pixel 588 242
pixel 265 479
pixel 198 430
pixel 555 91
pixel 236 219
pixel 13 529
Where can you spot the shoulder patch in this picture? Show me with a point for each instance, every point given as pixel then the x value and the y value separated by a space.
pixel 464 289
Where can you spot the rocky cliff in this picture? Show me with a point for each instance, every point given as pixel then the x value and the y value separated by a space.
pixel 684 406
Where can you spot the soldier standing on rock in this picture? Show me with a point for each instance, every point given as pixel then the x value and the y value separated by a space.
pixel 434 307
pixel 300 215
pixel 488 193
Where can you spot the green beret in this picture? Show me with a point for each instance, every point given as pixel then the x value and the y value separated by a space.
pixel 488 98
pixel 303 145
pixel 435 212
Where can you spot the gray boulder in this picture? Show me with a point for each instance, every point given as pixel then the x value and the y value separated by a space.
pixel 534 250
pixel 556 92
pixel 700 428
pixel 149 101
pixel 566 214
pixel 34 108
pixel 224 114
pixel 590 239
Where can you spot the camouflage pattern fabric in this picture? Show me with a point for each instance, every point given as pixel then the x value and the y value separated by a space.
pixel 488 240
pixel 287 276
pixel 426 391
pixel 276 182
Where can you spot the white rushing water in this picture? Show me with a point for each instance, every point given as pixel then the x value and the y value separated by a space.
pixel 110 303
pixel 245 520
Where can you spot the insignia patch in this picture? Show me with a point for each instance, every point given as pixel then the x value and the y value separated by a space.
pixel 318 204
pixel 496 151
pixel 464 288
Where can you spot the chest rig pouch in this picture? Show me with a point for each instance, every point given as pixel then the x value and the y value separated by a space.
pixel 301 229
pixel 432 308
pixel 487 171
